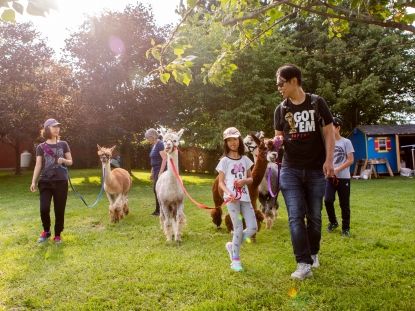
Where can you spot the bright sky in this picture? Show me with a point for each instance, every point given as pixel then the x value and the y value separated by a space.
pixel 71 13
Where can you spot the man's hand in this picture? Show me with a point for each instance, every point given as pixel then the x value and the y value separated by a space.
pixel 328 169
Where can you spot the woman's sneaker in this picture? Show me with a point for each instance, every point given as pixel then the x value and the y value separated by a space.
pixel 303 271
pixel 236 266
pixel 229 249
pixel 44 236
pixel 57 239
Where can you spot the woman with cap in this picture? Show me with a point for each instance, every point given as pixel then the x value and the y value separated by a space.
pixel 52 157
pixel 158 160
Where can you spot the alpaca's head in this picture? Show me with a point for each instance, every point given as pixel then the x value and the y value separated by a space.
pixel 171 140
pixel 251 144
pixel 105 154
pixel 272 156
pixel 273 148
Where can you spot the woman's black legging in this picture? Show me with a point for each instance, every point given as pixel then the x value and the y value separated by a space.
pixel 58 190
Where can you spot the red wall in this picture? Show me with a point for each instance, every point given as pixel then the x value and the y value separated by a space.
pixel 7 156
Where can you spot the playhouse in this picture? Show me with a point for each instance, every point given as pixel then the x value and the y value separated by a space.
pixel 384 145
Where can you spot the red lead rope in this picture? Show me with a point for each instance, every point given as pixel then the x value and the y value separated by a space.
pixel 198 204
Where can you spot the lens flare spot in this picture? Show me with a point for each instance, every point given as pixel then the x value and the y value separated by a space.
pixel 116 45
pixel 292 292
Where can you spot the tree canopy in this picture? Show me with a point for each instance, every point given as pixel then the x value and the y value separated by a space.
pixel 249 23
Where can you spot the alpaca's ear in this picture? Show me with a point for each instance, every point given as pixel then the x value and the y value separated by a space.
pixel 256 139
pixel 162 131
pixel 112 148
pixel 99 147
pixel 180 133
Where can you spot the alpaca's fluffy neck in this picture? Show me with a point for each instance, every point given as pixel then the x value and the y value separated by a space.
pixel 107 168
pixel 172 156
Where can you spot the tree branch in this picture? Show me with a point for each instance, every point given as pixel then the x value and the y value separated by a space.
pixel 252 14
pixel 278 21
pixel 343 14
pixel 366 20
pixel 170 40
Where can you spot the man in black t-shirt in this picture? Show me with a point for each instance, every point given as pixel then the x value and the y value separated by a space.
pixel 305 123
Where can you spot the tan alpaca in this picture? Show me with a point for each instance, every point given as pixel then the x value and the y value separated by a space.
pixel 117 183
pixel 169 192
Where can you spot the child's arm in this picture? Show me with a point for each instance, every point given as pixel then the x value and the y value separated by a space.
pixel 349 161
pixel 246 181
pixel 222 184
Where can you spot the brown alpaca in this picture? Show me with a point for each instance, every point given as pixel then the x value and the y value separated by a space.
pixel 117 183
pixel 258 173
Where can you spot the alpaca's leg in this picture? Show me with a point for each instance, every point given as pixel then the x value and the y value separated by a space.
pixel 125 206
pixel 118 204
pixel 111 206
pixel 181 221
pixel 175 227
pixel 162 216
pixel 168 228
pixel 166 221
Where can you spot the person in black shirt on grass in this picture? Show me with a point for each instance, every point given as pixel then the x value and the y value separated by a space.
pixel 52 157
pixel 305 123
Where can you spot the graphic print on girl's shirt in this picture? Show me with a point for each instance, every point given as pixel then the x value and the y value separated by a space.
pixel 234 170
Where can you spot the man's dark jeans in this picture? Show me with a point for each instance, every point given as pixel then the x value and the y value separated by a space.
pixel 303 191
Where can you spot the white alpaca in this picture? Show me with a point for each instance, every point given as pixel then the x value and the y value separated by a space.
pixel 251 146
pixel 169 191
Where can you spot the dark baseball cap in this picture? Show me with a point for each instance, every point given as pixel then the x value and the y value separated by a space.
pixel 337 121
pixel 50 122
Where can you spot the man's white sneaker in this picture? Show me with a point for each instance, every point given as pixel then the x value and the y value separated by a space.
pixel 303 271
pixel 316 262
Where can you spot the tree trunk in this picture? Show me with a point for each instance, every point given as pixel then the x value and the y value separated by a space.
pixel 18 170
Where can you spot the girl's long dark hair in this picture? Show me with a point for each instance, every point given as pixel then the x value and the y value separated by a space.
pixel 241 147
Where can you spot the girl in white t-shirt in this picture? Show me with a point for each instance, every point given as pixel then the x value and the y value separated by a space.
pixel 234 175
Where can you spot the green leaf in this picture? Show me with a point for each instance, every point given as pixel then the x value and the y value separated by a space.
pixel 274 14
pixel 187 77
pixel 18 7
pixel 165 77
pixel 8 15
pixel 191 3
pixel 156 53
pixel 178 51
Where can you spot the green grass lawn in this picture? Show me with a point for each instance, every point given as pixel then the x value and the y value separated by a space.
pixel 129 266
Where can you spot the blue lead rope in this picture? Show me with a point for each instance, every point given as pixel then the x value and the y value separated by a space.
pixel 99 197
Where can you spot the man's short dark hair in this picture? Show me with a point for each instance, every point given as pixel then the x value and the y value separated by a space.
pixel 289 72
pixel 337 122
